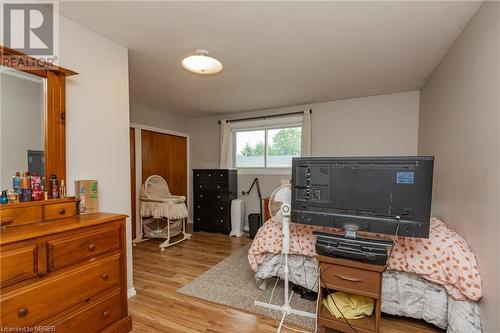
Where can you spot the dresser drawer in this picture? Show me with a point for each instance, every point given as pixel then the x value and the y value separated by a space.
pixel 28 305
pixel 221 175
pixel 18 264
pixel 69 250
pixel 211 208
pixel 19 216
pixel 350 279
pixel 207 174
pixel 60 210
pixel 92 318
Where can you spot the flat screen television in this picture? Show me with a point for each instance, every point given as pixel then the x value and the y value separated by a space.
pixel 386 195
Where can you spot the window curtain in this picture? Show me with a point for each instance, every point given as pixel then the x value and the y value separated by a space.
pixel 226 145
pixel 306 135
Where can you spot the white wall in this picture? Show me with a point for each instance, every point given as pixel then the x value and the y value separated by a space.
pixel 150 117
pixel 97 118
pixel 460 125
pixel 368 126
pixel 378 125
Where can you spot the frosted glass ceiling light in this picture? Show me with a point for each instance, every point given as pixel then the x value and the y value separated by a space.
pixel 201 63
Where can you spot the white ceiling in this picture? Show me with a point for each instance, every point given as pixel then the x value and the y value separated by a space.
pixel 274 53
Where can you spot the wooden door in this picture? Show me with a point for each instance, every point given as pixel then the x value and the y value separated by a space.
pixel 165 155
pixel 133 195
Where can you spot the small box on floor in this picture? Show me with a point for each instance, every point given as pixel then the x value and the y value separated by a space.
pixel 87 192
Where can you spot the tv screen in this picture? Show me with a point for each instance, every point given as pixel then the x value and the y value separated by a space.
pixel 375 194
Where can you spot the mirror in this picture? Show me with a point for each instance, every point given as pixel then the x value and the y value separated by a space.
pixel 32 117
pixel 22 124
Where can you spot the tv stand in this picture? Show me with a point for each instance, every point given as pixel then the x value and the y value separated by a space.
pixel 354 277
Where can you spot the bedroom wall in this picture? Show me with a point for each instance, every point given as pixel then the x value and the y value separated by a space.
pixel 97 118
pixel 155 118
pixel 377 125
pixel 460 125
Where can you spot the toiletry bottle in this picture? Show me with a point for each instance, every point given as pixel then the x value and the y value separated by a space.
pixel 4 199
pixel 13 197
pixel 35 179
pixel 54 187
pixel 36 192
pixel 16 183
pixel 25 188
pixel 62 189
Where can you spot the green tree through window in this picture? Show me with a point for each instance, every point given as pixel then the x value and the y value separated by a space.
pixel 286 141
pixel 267 148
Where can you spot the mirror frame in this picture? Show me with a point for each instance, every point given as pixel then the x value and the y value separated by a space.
pixel 55 116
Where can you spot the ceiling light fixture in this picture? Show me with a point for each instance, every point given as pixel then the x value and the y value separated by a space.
pixel 201 63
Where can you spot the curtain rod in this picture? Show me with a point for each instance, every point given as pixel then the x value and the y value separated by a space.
pixel 264 117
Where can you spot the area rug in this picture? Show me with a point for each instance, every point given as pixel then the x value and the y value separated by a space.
pixel 231 282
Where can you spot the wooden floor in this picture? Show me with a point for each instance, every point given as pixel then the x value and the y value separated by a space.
pixel 159 308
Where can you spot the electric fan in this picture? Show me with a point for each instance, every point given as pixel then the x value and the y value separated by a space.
pixel 279 209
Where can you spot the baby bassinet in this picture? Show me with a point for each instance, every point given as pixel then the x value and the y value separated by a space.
pixel 163 215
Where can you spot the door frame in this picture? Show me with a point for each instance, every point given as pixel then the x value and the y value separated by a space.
pixel 138 165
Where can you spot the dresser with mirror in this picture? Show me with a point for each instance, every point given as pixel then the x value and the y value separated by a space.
pixel 59 271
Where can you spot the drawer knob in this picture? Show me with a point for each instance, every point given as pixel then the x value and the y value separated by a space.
pixel 348 278
pixel 23 312
pixel 61 211
pixel 105 276
pixel 105 314
pixel 91 247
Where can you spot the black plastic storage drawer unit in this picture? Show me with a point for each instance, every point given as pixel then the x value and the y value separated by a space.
pixel 213 191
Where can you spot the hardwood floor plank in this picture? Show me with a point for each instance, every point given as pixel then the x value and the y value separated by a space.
pixel 159 308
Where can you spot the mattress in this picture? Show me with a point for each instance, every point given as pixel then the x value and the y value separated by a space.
pixel 444 258
pixel 403 294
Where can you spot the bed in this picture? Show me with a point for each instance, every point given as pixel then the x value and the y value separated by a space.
pixel 435 279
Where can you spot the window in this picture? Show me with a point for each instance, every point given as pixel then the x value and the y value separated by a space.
pixel 267 148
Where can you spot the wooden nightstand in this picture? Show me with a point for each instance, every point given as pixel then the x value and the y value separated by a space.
pixel 352 277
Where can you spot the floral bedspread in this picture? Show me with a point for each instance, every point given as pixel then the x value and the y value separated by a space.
pixel 444 258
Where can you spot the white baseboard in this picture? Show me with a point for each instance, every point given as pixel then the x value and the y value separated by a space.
pixel 131 292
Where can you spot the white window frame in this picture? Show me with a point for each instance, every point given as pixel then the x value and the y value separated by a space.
pixel 266 169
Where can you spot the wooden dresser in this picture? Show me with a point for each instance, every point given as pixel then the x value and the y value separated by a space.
pixel 60 271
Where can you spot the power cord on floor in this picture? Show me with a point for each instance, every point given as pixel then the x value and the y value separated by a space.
pixel 271 298
pixel 305 276
pixel 276 319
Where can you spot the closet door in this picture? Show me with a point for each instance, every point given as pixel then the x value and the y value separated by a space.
pixel 165 155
